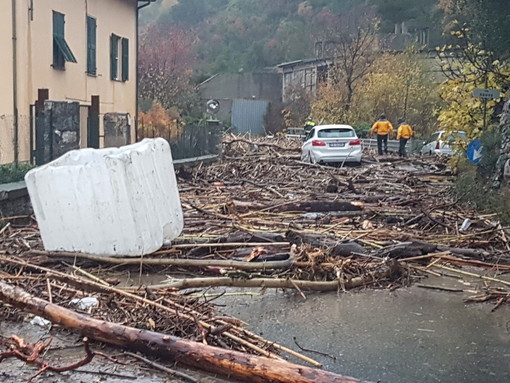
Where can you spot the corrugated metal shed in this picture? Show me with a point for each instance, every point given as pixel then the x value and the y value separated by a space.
pixel 248 116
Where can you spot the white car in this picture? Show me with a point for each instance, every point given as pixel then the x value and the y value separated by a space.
pixel 331 143
pixel 444 143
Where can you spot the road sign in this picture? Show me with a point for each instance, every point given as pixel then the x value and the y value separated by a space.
pixel 212 106
pixel 474 151
pixel 486 94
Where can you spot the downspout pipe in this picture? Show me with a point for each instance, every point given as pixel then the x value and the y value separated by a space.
pixel 136 60
pixel 15 83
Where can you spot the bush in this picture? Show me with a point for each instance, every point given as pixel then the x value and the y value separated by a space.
pixel 13 173
pixel 472 187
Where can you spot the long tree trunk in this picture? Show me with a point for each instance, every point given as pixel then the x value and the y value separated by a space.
pixel 234 364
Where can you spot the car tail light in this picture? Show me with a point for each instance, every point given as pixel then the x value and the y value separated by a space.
pixel 355 142
pixel 438 146
pixel 318 143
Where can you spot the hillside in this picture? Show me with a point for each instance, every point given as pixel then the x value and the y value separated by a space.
pixel 247 35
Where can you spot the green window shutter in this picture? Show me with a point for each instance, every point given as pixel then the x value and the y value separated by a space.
pixel 114 57
pixel 61 51
pixel 91 45
pixel 58 34
pixel 125 59
pixel 66 51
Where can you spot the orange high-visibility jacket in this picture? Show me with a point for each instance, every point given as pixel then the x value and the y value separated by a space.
pixel 382 127
pixel 404 131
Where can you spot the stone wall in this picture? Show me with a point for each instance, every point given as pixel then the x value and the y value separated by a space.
pixel 57 130
pixel 14 200
pixel 502 171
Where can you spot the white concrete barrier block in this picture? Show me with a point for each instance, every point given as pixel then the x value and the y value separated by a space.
pixel 112 201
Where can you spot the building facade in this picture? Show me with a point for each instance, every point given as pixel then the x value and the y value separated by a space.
pixel 63 62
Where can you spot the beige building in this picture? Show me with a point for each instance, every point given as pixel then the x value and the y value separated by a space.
pixel 78 57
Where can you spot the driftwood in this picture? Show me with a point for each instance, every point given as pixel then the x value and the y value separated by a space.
pixel 234 364
pixel 259 265
pixel 313 240
pixel 317 206
pixel 243 238
pixel 389 270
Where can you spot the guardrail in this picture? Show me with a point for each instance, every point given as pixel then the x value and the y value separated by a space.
pixel 412 145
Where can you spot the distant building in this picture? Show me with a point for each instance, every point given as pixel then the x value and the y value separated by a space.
pixel 245 99
pixel 304 74
pixel 68 76
pixel 308 73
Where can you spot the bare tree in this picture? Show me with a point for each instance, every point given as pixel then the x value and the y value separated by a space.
pixel 355 47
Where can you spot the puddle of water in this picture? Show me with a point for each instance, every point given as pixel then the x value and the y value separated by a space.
pixel 410 335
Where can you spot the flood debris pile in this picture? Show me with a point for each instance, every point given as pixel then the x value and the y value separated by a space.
pixel 344 221
pixel 260 218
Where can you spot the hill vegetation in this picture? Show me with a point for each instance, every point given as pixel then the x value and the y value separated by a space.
pixel 245 35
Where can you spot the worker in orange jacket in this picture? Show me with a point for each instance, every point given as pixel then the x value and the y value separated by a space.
pixel 404 133
pixel 383 128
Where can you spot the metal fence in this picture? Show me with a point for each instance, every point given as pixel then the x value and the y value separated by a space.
pixel 412 146
pixel 189 141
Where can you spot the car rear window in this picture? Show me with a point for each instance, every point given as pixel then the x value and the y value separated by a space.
pixel 336 133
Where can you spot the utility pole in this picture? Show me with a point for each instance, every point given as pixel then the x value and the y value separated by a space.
pixel 485 100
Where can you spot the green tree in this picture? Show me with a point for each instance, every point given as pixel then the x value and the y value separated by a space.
pixel 484 23
pixel 399 85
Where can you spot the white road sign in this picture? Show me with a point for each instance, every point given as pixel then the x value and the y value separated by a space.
pixel 486 94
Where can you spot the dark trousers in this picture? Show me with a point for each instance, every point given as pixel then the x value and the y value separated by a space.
pixel 402 147
pixel 382 143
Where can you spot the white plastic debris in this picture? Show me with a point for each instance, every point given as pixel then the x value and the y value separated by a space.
pixel 112 201
pixel 40 321
pixel 465 225
pixel 312 215
pixel 84 303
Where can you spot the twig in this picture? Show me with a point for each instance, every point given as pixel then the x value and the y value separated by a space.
pixel 314 351
pixel 432 287
pixel 473 275
pixel 163 368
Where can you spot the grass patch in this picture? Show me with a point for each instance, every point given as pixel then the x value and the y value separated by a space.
pixel 13 173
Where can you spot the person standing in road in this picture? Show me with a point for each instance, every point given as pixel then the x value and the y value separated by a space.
pixel 309 124
pixel 404 133
pixel 383 128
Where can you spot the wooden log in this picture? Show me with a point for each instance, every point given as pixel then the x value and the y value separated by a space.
pixel 318 206
pixel 388 270
pixel 233 364
pixel 260 265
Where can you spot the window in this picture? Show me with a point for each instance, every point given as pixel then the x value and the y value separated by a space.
pixel 336 133
pixel 119 58
pixel 61 50
pixel 91 45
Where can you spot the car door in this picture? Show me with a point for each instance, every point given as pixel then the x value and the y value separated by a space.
pixel 430 144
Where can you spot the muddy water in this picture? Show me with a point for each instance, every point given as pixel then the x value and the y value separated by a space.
pixel 406 336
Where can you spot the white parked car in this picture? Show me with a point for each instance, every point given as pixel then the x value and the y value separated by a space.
pixel 331 143
pixel 444 143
